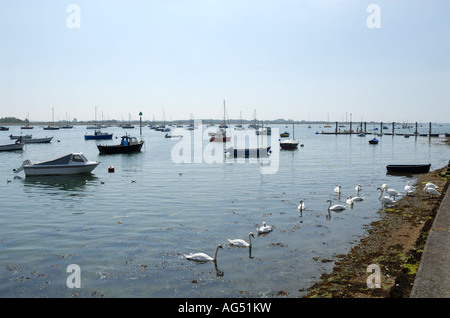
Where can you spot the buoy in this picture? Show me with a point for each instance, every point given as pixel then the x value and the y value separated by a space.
pixel 111 169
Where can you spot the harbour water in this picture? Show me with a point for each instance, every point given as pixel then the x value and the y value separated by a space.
pixel 128 231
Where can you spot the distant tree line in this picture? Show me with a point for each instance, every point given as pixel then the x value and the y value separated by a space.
pixel 13 120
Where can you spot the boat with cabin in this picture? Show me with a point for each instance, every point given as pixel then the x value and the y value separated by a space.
pixel 98 135
pixel 289 144
pixel 72 163
pixel 127 145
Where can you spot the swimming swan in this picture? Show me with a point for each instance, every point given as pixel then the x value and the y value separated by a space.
pixel 337 190
pixel 301 206
pixel 242 243
pixel 264 228
pixel 336 207
pixel 202 257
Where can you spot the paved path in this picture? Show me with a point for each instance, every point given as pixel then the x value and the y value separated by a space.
pixel 433 276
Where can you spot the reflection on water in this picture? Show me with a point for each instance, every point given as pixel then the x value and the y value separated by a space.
pixel 65 183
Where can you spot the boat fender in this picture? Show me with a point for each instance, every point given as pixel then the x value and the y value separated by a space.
pixel 111 169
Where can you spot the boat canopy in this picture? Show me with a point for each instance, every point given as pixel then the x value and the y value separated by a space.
pixel 64 160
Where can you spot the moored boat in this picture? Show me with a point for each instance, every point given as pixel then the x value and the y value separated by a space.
pixel 373 141
pixel 248 152
pixel 20 136
pixel 290 144
pixel 418 168
pixel 285 134
pixel 72 163
pixel 127 145
pixel 18 145
pixel 3 128
pixel 98 135
pixel 37 140
pixel 51 128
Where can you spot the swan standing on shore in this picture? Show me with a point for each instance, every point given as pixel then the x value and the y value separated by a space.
pixel 336 207
pixel 264 228
pixel 431 185
pixel 409 188
pixel 242 243
pixel 385 200
pixel 202 257
pixel 391 192
pixel 431 192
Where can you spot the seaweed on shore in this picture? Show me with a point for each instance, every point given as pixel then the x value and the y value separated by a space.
pixel 395 243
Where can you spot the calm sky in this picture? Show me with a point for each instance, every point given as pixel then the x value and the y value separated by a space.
pixel 292 59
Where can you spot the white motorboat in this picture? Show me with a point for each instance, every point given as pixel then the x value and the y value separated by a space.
pixel 72 163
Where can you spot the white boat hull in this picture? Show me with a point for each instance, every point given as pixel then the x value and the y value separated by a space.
pixel 55 170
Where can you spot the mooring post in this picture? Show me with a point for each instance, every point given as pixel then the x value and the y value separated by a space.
pixel 393 124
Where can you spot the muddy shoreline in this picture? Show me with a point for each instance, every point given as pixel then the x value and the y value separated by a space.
pixel 395 243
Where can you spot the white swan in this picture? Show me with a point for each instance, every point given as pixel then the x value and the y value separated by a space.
pixel 264 228
pixel 349 200
pixel 357 199
pixel 431 191
pixel 301 206
pixel 336 207
pixel 358 188
pixel 337 190
pixel 392 192
pixel 385 200
pixel 409 188
pixel 202 257
pixel 431 185
pixel 242 243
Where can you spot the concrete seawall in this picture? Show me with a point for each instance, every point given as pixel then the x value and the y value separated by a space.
pixel 433 275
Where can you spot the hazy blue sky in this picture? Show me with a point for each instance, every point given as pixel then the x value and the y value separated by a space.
pixel 299 59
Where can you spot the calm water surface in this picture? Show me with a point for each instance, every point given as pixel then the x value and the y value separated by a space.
pixel 128 231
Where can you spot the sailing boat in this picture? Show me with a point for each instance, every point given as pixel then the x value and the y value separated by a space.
pixel 289 143
pixel 52 127
pixel 28 125
pixel 328 125
pixel 221 135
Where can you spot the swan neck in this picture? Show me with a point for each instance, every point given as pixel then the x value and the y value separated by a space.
pixel 215 254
